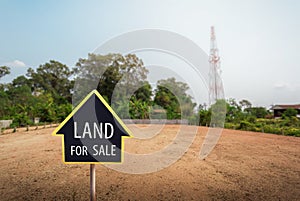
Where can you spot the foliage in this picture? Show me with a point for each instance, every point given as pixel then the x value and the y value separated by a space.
pixel 52 77
pixel 172 96
pixel 4 70
pixel 218 113
pixel 47 93
pixel 112 73
pixel 290 112
pixel 138 109
pixel 245 104
pixel 243 116
pixel 204 117
pixel 258 112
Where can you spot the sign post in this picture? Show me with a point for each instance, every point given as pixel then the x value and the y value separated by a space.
pixel 92 134
pixel 93 182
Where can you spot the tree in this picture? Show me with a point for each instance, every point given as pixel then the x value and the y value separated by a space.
pixel 19 94
pixel 144 93
pixel 172 96
pixel 244 104
pixel 234 111
pixel 202 106
pixel 139 109
pixel 218 113
pixel 4 70
pixel 204 117
pixel 138 106
pixel 258 112
pixel 5 103
pixel 290 112
pixel 112 73
pixel 17 101
pixel 52 77
pixel 121 80
pixel 21 81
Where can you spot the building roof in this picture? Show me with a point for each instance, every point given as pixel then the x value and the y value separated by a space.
pixel 283 107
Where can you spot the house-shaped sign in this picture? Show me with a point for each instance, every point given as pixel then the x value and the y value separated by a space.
pixel 92 133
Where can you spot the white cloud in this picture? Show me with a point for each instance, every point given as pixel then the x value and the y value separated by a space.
pixel 282 85
pixel 287 86
pixel 15 63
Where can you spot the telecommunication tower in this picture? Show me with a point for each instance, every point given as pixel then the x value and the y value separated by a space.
pixel 216 90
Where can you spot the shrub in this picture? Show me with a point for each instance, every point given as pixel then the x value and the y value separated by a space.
pixel 20 119
pixel 272 129
pixel 231 126
pixel 292 131
pixel 245 125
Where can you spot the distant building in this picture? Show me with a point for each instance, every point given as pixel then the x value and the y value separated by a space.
pixel 280 109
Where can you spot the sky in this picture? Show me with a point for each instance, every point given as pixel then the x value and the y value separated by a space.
pixel 258 40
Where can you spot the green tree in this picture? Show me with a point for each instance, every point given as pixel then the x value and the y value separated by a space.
pixel 172 96
pixel 290 112
pixel 144 93
pixel 139 109
pixel 52 77
pixel 138 106
pixel 21 81
pixel 204 117
pixel 19 94
pixel 218 113
pixel 4 70
pixel 234 112
pixel 111 72
pixel 245 104
pixel 119 79
pixel 258 112
pixel 18 107
pixel 5 103
pixel 45 108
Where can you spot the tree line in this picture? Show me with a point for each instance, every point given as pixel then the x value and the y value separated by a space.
pixel 241 115
pixel 48 92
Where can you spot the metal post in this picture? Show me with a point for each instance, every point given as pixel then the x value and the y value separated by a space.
pixel 93 182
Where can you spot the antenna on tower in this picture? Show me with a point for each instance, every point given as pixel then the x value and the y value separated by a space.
pixel 215 82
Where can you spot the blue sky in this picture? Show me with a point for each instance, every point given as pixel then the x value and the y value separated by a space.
pixel 258 40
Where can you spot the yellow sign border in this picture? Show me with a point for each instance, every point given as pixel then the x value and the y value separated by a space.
pixel 54 133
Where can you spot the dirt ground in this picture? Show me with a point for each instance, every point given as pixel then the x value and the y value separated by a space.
pixel 243 166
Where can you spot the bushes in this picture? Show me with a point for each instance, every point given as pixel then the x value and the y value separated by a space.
pixel 21 119
pixel 272 129
pixel 273 126
pixel 292 131
pixel 244 125
pixel 231 126
pixel 254 119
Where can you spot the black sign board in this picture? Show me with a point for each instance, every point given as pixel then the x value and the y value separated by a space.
pixel 92 133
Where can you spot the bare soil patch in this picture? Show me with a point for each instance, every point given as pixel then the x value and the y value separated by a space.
pixel 243 166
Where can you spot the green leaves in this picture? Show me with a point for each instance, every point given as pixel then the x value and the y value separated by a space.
pixel 45 93
pixel 4 70
pixel 52 77
pixel 290 112
pixel 111 71
pixel 172 96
